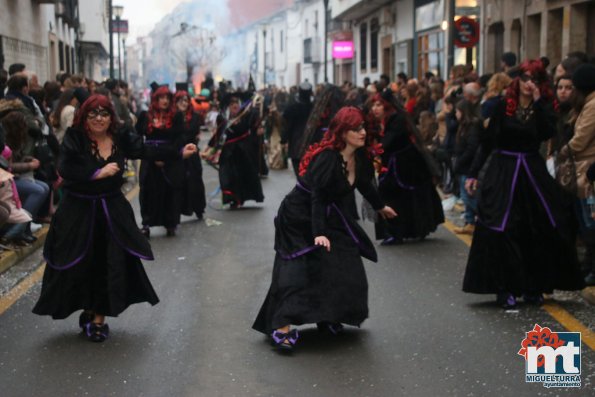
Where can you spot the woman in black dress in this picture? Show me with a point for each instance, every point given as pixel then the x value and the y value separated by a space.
pixel 523 242
pixel 318 275
pixel 193 200
pixel 406 180
pixel 161 182
pixel 93 247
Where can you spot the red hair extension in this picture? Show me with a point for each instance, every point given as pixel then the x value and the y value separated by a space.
pixel 184 94
pixel 94 102
pixel 156 112
pixel 538 72
pixel 347 118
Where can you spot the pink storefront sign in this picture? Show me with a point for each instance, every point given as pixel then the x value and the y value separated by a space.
pixel 342 49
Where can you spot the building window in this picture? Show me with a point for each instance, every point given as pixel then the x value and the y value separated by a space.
pixel 430 52
pixel 61 55
pixel 281 41
pixel 363 46
pixel 374 29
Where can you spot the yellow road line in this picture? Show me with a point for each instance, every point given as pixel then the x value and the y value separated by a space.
pixel 25 285
pixel 571 323
pixel 20 289
pixel 553 309
pixel 466 238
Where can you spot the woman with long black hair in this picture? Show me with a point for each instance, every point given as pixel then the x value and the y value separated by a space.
pixel 318 275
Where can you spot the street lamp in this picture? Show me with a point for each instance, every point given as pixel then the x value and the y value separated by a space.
pixel 264 46
pixel 124 37
pixel 325 40
pixel 118 10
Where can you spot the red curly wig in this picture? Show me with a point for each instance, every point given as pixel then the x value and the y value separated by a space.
pixel 538 72
pixel 347 118
pixel 156 113
pixel 92 103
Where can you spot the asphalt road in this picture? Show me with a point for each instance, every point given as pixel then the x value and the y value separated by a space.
pixel 424 336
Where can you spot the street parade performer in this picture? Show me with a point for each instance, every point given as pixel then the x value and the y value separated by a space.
pixel 162 182
pixel 193 200
pixel 406 176
pixel 232 149
pixel 93 247
pixel 318 274
pixel 524 242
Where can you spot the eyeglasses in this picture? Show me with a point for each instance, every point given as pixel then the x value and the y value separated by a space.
pixel 93 114
pixel 525 78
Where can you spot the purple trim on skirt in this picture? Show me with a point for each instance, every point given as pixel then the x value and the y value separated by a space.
pixel 111 227
pixel 521 160
pixel 156 142
pixel 345 224
pixel 101 197
pixel 87 245
pixel 299 253
pixel 392 169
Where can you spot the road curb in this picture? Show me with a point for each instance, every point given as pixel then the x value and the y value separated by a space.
pixel 589 294
pixel 10 258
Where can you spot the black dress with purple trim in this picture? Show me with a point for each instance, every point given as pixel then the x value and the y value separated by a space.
pixel 406 184
pixel 238 168
pixel 93 247
pixel 193 198
pixel 161 187
pixel 309 284
pixel 524 240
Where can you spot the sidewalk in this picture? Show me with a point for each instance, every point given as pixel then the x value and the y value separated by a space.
pixel 454 217
pixel 10 258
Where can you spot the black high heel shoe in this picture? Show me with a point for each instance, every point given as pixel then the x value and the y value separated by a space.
pixel 97 332
pixel 285 341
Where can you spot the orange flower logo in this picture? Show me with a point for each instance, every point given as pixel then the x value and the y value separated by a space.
pixel 539 337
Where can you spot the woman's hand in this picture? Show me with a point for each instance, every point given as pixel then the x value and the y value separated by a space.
pixel 323 241
pixel 108 170
pixel 534 90
pixel 34 164
pixel 471 186
pixel 387 212
pixel 189 150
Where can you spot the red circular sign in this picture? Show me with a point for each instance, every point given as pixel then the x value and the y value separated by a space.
pixel 466 32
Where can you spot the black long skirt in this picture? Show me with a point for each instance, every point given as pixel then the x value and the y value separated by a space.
pixel 107 280
pixel 160 199
pixel 317 287
pixel 419 210
pixel 194 200
pixel 530 255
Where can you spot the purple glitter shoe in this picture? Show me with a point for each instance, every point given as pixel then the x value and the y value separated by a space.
pixel 285 341
pixel 97 332
pixel 506 300
pixel 85 318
